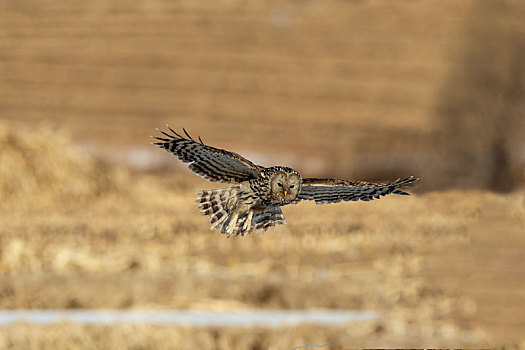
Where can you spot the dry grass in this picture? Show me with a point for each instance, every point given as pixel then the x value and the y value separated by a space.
pixel 46 162
pixel 370 89
pixel 349 89
pixel 282 77
pixel 72 336
pixel 147 247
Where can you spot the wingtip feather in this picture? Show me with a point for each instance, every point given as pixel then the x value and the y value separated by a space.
pixel 188 135
pixel 173 131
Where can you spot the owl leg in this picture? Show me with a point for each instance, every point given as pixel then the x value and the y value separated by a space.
pixel 231 224
pixel 248 222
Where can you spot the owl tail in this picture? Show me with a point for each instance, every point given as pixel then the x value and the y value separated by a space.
pixel 268 219
pixel 215 204
pixel 219 204
pixel 260 221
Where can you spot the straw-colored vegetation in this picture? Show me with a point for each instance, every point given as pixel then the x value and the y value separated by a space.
pixel 140 243
pixel 357 89
pixel 44 163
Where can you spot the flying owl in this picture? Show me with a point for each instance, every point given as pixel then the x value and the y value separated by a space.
pixel 255 199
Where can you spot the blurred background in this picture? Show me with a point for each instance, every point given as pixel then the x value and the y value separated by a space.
pixel 94 217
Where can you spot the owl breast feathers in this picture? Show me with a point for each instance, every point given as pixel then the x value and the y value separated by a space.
pixel 256 196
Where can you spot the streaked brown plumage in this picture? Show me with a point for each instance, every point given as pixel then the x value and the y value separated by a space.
pixel 254 201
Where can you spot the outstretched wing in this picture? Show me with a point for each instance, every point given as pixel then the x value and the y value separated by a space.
pixel 324 191
pixel 214 164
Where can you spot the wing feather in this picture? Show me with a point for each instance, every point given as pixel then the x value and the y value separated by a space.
pixel 324 191
pixel 213 164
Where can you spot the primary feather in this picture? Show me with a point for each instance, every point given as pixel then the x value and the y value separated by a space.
pixel 324 191
pixel 214 164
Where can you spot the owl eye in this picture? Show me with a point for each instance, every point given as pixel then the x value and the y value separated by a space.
pixel 291 186
pixel 279 184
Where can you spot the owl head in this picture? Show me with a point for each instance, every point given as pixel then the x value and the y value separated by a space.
pixel 285 185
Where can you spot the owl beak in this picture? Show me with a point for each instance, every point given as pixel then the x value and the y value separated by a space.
pixel 285 192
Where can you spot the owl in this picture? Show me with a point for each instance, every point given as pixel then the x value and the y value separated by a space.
pixel 256 195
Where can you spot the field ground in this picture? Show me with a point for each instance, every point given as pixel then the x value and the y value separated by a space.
pixel 367 90
pixel 445 269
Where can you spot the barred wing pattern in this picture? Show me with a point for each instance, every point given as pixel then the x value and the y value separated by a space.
pixel 324 191
pixel 213 164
